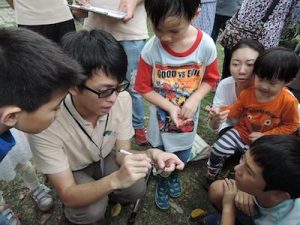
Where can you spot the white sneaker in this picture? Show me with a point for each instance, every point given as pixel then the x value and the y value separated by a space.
pixel 42 198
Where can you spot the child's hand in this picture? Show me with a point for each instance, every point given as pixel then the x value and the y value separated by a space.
pixel 176 117
pixel 216 114
pixel 245 203
pixel 255 135
pixel 189 109
pixel 230 191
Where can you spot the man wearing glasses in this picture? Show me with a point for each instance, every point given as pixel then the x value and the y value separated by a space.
pixel 77 151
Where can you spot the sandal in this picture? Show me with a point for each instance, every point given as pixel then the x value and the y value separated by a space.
pixel 7 217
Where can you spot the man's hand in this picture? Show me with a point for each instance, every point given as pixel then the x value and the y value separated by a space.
pixel 127 6
pixel 133 168
pixel 165 160
pixel 245 203
pixel 255 135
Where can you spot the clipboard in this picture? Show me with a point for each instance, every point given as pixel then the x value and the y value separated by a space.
pixel 106 12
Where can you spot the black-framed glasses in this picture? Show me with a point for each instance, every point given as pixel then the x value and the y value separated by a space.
pixel 108 92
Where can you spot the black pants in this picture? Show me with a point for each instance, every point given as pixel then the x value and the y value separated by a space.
pixel 54 31
pixel 218 24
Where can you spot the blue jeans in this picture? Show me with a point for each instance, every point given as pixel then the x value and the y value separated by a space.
pixel 133 51
pixel 182 155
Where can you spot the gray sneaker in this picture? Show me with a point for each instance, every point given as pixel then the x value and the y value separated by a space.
pixel 42 198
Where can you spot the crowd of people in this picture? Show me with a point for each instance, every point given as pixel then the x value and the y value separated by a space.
pixel 73 101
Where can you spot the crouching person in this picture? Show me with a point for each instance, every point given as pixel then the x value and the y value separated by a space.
pixel 80 152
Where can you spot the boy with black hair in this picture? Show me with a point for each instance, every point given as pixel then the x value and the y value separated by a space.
pixel 35 76
pixel 270 175
pixel 80 151
pixel 263 109
pixel 178 67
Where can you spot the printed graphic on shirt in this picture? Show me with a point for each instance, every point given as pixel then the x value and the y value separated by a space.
pixel 176 84
pixel 259 120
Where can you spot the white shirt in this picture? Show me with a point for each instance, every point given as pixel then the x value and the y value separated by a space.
pixel 41 12
pixel 225 95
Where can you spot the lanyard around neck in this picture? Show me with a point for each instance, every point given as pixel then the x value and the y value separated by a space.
pixel 85 132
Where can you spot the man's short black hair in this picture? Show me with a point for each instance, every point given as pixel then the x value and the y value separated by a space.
pixel 279 158
pixel 96 50
pixel 277 63
pixel 159 10
pixel 33 69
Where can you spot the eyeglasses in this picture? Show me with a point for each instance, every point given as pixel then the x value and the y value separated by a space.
pixel 109 91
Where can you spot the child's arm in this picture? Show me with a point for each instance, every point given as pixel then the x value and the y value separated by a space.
pixel 228 212
pixel 161 102
pixel 143 85
pixel 235 110
pixel 216 116
pixel 190 106
pixel 210 80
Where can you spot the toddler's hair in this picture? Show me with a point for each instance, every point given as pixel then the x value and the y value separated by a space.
pixel 159 10
pixel 277 63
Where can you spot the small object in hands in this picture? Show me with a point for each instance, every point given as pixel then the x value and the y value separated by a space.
pixel 198 213
pixel 208 108
pixel 115 210
pixel 156 171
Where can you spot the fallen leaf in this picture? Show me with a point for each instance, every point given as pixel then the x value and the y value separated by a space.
pixel 115 210
pixel 177 208
pixel 21 196
pixel 196 213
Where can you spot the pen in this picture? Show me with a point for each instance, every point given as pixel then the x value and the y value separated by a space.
pixel 155 171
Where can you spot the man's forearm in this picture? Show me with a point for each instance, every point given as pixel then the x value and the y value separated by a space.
pixel 93 191
pixel 11 3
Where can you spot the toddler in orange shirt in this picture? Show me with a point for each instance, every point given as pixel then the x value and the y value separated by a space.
pixel 266 108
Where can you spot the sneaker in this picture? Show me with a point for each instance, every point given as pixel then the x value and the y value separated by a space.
pixel 7 217
pixel 174 185
pixel 140 136
pixel 162 193
pixel 41 197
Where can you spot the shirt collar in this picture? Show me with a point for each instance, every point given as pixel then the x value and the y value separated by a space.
pixel 69 103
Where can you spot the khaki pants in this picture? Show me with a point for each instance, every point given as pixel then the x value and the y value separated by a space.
pixel 96 211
